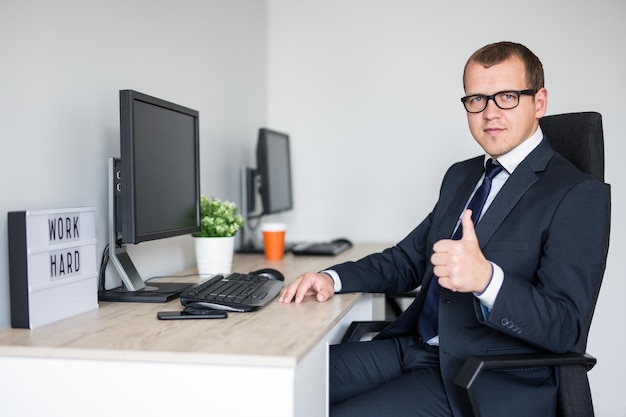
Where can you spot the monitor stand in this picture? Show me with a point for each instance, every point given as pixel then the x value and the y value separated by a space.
pixel 133 288
pixel 160 293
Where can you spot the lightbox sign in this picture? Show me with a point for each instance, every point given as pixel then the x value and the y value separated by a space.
pixel 52 265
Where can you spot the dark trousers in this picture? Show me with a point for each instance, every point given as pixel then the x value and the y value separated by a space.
pixel 391 377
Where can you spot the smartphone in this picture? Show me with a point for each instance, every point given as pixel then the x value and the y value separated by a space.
pixel 195 315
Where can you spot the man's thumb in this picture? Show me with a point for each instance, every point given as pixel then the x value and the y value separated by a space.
pixel 469 232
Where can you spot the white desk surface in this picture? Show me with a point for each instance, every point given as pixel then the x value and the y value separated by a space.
pixel 277 335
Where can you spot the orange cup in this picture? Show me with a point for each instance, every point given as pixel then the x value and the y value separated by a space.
pixel 274 241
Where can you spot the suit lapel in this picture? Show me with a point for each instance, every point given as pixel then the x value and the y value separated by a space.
pixel 524 176
pixel 459 199
pixel 507 198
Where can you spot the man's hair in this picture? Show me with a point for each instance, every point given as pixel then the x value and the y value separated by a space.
pixel 496 53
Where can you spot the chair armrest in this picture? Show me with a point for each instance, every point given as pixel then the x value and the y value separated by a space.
pixel 475 365
pixel 358 329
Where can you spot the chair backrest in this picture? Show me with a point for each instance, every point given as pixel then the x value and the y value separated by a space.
pixel 579 137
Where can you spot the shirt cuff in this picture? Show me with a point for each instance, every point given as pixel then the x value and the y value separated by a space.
pixel 490 293
pixel 335 277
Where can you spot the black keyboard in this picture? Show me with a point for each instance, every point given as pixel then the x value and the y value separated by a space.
pixel 234 292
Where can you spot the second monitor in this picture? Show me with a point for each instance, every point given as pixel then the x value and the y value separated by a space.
pixel 270 180
pixel 271 183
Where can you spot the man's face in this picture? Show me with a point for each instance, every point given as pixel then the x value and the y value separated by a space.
pixel 498 131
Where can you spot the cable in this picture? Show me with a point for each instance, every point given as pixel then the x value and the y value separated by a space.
pixel 104 260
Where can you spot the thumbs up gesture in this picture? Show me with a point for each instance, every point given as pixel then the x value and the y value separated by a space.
pixel 460 264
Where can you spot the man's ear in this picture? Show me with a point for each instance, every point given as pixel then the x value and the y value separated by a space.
pixel 541 103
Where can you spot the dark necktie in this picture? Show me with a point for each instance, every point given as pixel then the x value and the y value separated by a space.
pixel 427 325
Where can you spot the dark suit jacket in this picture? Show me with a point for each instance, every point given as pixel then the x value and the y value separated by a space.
pixel 546 229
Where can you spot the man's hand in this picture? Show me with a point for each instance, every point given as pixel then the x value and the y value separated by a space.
pixel 309 283
pixel 460 264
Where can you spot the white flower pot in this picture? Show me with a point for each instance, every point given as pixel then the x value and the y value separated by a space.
pixel 214 255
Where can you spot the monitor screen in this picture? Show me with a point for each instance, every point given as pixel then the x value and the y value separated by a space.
pixel 159 181
pixel 274 170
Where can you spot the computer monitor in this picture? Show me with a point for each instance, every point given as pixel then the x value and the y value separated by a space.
pixel 155 184
pixel 271 180
pixel 274 170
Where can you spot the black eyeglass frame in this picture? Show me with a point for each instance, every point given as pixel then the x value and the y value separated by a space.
pixel 527 92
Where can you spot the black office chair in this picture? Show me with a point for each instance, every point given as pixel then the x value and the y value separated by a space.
pixel 580 138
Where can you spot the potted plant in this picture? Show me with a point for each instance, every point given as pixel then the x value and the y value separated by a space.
pixel 215 242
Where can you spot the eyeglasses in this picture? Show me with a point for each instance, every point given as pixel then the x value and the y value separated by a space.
pixel 505 100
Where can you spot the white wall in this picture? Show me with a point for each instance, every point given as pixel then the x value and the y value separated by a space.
pixel 369 92
pixel 63 64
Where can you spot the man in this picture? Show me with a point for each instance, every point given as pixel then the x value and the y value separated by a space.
pixel 515 282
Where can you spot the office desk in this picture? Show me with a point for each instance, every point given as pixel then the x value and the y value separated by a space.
pixel 120 360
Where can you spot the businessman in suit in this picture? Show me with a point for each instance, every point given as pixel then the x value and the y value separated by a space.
pixel 515 281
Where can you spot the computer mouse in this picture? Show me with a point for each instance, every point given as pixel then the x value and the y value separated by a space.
pixel 269 273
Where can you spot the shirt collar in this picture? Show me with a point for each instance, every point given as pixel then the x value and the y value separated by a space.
pixel 515 156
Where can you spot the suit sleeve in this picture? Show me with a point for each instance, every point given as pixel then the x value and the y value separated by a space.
pixel 396 269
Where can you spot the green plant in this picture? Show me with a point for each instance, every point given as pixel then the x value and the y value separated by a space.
pixel 218 218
